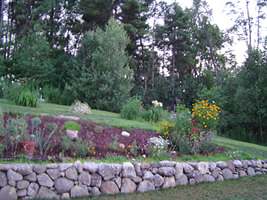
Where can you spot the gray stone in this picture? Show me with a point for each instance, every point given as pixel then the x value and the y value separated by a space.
pixel 22 184
pixel 221 164
pixel 167 163
pixel 85 178
pixel 109 187
pixel 24 169
pixel 33 189
pixel 64 166
pixel 52 166
pixel 128 186
pixel 53 173
pixel 182 180
pixel 39 169
pixel 231 166
pixel 259 163
pixel 91 167
pixel 237 163
pixel 45 193
pixel 187 168
pixel 215 173
pixel 227 173
pixel 167 171
pixel 169 182
pixel 65 196
pixel 3 179
pixel 45 180
pixel 31 177
pixel 148 176
pixel 22 193
pixel 71 173
pixel 96 180
pixel 109 171
pixel 203 167
pixel 145 186
pixel 63 185
pixel 158 180
pixel 117 180
pixel 251 171
pixel 212 166
pixel 154 170
pixel 242 173
pixel 138 170
pixel 78 191
pixel 13 176
pixel 208 178
pixel 95 191
pixel 8 193
pixel 220 178
pixel 128 170
pixel 179 169
pixel 192 181
pixel 137 179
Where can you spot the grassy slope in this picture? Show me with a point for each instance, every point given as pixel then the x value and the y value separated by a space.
pixel 244 189
pixel 113 119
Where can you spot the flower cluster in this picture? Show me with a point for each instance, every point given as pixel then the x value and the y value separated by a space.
pixel 206 113
pixel 157 103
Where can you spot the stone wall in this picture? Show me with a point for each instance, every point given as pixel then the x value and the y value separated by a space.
pixel 63 181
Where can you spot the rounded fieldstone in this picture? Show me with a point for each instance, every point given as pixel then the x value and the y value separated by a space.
pixel 109 171
pixel 78 191
pixel 96 180
pixel 181 180
pixel 33 189
pixel 85 178
pixel 212 166
pixel 138 170
pixel 169 182
pixel 208 178
pixel 8 193
pixel 128 170
pixel 118 181
pixel 187 168
pixel 45 180
pixel 227 173
pixel 65 196
pixel 24 169
pixel 91 167
pixel 242 173
pixel 45 193
pixel 179 169
pixel 22 184
pixel 39 169
pixel 158 180
pixel 167 171
pixel 109 187
pixel 192 181
pixel 203 167
pixel 3 179
pixel 145 186
pixel 13 176
pixel 22 193
pixel 128 186
pixel 251 171
pixel 221 164
pixel 95 191
pixel 53 173
pixel 237 163
pixel 31 177
pixel 137 179
pixel 71 173
pixel 220 178
pixel 148 175
pixel 166 163
pixel 63 185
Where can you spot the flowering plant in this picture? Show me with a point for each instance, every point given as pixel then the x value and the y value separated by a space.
pixel 156 103
pixel 206 114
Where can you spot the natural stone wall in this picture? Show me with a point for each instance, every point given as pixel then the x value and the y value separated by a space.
pixel 63 181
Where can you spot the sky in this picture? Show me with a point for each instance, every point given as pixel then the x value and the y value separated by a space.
pixel 224 21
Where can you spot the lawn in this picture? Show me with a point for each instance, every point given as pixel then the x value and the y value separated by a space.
pixel 249 188
pixel 236 149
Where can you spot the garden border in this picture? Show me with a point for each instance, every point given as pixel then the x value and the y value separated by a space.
pixel 67 180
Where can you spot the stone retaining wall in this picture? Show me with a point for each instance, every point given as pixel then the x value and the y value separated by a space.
pixel 63 181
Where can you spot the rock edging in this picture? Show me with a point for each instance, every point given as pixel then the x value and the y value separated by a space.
pixel 64 181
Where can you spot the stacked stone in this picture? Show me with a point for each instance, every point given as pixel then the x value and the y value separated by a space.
pixel 64 181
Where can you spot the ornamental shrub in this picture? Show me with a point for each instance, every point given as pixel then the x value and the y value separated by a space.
pixel 132 109
pixel 166 127
pixel 27 98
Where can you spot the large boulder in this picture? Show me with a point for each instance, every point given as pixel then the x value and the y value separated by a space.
pixel 8 193
pixel 79 191
pixel 128 186
pixel 63 185
pixel 109 187
pixel 80 108
pixel 146 186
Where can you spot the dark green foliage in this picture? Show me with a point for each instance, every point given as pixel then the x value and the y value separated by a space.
pixel 77 148
pixel 27 98
pixel 153 114
pixel 132 109
pixel 71 125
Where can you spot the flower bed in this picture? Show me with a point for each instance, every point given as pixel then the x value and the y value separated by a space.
pixel 62 181
pixel 92 139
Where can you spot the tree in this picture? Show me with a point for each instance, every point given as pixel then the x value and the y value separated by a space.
pixel 104 77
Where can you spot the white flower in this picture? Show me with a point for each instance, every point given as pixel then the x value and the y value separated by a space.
pixel 157 103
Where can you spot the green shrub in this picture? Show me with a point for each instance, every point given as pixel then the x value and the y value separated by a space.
pixel 52 95
pixel 166 127
pixel 132 109
pixel 76 147
pixel 154 114
pixel 71 125
pixel 27 98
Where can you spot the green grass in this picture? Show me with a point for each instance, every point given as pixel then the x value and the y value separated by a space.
pixel 249 188
pixel 101 117
pixel 235 149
